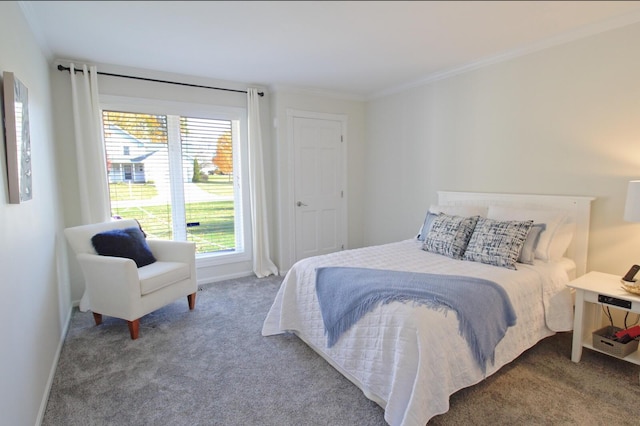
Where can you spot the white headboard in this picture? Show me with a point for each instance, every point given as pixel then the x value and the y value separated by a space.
pixel 578 208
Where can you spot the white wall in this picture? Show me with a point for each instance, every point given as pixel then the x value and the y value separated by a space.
pixel 559 121
pixel 565 120
pixel 34 291
pixel 281 222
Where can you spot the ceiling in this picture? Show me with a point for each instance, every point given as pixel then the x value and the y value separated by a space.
pixel 357 48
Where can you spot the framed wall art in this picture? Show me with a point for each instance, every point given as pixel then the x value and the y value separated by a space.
pixel 17 139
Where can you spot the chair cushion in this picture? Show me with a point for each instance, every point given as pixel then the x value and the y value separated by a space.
pixel 162 274
pixel 128 242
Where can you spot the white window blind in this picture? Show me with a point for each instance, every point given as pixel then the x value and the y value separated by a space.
pixel 176 175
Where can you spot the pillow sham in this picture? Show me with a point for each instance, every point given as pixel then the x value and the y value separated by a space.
pixel 128 242
pixel 449 235
pixel 528 252
pixel 561 241
pixel 551 218
pixel 496 242
pixel 426 226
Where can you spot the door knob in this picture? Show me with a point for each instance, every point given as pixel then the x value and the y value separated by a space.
pixel 300 204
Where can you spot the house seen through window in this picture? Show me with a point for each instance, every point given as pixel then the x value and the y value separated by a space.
pixel 175 175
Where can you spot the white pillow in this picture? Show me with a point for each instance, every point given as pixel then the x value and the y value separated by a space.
pixel 561 241
pixel 464 211
pixel 551 218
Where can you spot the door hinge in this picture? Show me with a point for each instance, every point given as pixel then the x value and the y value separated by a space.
pixel 341 194
pixel 342 247
pixel 341 138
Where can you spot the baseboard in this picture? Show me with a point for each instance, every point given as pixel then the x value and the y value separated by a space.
pixel 224 278
pixel 52 372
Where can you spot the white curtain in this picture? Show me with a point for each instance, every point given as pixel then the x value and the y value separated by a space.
pixel 90 155
pixel 262 264
pixel 92 166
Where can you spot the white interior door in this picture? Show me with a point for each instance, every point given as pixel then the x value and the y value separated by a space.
pixel 318 186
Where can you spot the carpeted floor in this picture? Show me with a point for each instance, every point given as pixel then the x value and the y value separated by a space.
pixel 211 366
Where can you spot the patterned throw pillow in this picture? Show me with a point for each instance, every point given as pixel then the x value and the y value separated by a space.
pixel 497 242
pixel 449 235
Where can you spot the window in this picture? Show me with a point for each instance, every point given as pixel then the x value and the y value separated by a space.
pixel 179 175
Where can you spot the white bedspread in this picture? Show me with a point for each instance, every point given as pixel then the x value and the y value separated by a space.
pixel 409 358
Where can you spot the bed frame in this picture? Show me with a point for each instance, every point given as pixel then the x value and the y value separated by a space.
pixel 577 207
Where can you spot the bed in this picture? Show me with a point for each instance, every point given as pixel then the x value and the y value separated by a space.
pixel 408 357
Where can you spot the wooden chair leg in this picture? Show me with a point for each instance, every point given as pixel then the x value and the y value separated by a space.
pixel 97 318
pixel 134 327
pixel 192 301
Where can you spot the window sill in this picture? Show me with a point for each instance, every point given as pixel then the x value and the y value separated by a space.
pixel 215 259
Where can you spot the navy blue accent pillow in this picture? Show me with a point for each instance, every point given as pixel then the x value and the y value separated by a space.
pixel 128 242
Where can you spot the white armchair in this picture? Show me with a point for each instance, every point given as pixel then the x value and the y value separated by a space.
pixel 116 287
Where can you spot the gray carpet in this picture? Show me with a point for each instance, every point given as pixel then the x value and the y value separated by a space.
pixel 211 366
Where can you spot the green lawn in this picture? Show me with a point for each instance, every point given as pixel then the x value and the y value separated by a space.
pixel 217 184
pixel 215 231
pixel 132 191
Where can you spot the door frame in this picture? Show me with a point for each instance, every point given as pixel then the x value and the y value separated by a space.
pixel 342 118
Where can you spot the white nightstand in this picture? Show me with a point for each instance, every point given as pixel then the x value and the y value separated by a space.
pixel 588 313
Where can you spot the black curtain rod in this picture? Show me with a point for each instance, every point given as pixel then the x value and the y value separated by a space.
pixel 63 68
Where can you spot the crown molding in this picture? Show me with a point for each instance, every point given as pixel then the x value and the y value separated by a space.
pixel 296 90
pixel 567 37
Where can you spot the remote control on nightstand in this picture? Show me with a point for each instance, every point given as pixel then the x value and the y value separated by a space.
pixel 629 277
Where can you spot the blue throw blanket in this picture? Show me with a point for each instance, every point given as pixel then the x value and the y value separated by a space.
pixel 483 307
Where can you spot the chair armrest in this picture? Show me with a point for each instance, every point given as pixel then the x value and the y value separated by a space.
pixel 173 251
pixel 112 283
